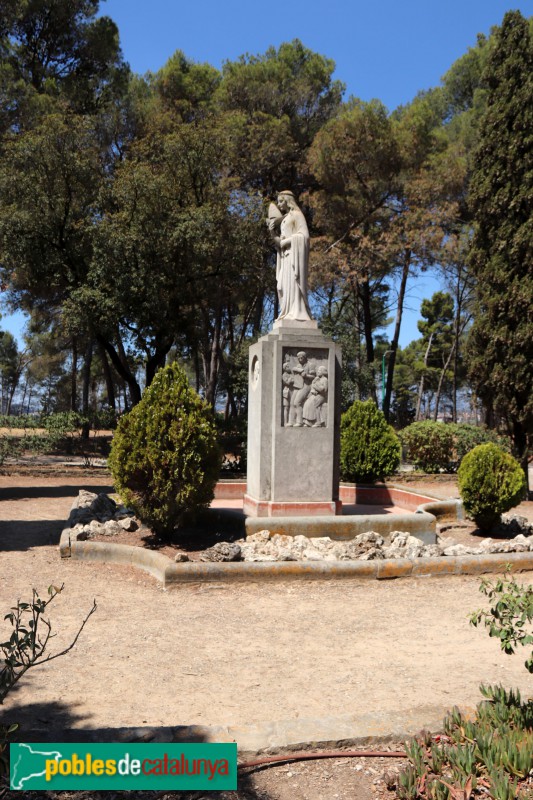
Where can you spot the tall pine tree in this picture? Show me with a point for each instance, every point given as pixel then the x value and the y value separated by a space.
pixel 501 255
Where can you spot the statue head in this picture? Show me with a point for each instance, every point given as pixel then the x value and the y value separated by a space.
pixel 286 201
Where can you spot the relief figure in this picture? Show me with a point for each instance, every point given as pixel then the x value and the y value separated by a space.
pixel 302 377
pixel 315 410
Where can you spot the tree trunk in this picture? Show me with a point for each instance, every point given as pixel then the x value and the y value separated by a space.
pixel 456 352
pixel 421 385
pixel 85 388
pixel 364 293
pixel 441 381
pixel 108 377
pixel 214 361
pixel 157 360
pixel 197 370
pixel 74 376
pixel 396 337
pixel 121 365
pixel 23 397
pixel 12 390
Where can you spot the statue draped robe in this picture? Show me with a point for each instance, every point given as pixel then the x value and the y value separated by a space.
pixel 291 268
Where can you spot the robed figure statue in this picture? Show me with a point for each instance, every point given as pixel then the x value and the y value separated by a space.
pixel 291 239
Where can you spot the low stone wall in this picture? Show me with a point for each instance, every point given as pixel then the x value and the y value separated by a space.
pixel 420 524
pixel 353 494
pixel 91 510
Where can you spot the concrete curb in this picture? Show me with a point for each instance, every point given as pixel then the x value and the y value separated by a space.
pixel 419 523
pixel 278 736
pixel 171 574
pixel 443 508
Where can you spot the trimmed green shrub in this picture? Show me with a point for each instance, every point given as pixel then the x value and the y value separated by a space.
pixel 429 445
pixel 440 447
pixel 490 481
pixel 164 457
pixel 370 449
pixel 467 437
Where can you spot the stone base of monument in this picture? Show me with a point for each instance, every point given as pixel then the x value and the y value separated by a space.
pixel 273 508
pixel 293 423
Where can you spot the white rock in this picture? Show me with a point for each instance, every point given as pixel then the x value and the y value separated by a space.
pixel 525 541
pixel 128 524
pixel 445 541
pixel 373 554
pixel 371 537
pixel 313 555
pixel 431 551
pixel 259 537
pixel 462 550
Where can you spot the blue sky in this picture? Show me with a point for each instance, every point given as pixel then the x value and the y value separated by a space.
pixel 387 49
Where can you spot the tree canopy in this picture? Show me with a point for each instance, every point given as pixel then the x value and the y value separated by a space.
pixel 132 215
pixel 501 255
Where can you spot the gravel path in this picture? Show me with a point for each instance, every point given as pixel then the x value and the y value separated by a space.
pixel 241 654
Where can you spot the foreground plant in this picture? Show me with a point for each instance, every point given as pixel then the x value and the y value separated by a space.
pixel 25 649
pixel 31 633
pixel 510 618
pixel 490 755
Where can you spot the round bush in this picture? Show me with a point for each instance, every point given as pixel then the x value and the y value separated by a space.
pixel 440 447
pixel 165 458
pixel 429 445
pixel 370 449
pixel 490 481
pixel 469 436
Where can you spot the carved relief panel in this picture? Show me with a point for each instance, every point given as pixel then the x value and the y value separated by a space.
pixel 304 388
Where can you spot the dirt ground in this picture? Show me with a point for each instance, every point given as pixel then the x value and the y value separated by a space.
pixel 245 654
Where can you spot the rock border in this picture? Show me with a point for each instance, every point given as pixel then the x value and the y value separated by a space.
pixel 171 574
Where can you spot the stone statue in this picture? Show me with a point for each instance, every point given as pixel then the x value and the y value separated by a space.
pixel 291 240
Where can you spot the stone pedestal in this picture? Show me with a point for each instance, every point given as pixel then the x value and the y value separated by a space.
pixel 293 423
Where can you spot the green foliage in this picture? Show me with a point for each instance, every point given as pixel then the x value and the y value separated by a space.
pixel 63 432
pixel 490 481
pixel 370 449
pixel 164 457
pixel 232 439
pixel 10 447
pixel 20 421
pixel 429 445
pixel 510 618
pixel 60 48
pixel 31 633
pixel 500 345
pixel 407 784
pixel 466 437
pixel 437 447
pixel 494 750
pixel 6 731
